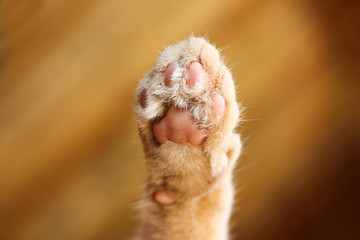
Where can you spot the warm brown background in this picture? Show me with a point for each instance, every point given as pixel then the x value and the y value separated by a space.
pixel 70 158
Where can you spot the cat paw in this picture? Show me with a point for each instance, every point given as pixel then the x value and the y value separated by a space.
pixel 186 112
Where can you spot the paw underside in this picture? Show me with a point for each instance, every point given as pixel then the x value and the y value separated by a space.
pixel 186 112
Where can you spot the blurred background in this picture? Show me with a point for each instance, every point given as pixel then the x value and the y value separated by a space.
pixel 70 158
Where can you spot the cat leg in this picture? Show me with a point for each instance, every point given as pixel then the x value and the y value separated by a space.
pixel 186 112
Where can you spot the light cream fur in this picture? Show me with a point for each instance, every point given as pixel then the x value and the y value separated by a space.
pixel 198 177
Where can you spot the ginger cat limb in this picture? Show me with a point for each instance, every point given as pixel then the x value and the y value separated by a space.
pixel 186 113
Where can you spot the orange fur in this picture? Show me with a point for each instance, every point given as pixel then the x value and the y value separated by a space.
pixel 198 177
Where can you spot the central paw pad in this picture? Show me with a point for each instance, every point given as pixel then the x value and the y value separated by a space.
pixel 178 126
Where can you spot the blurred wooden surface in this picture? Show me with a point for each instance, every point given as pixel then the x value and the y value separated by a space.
pixel 71 161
